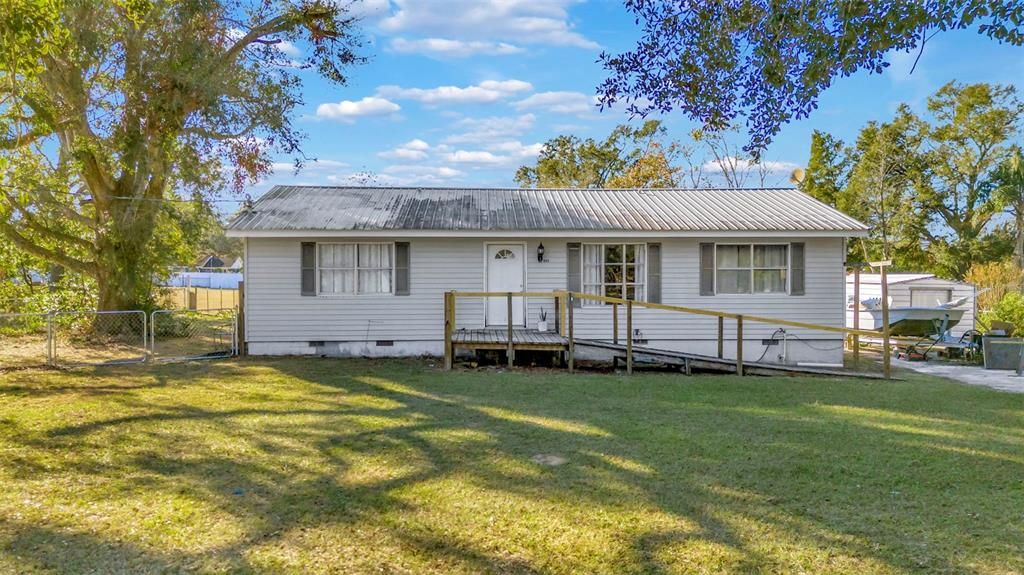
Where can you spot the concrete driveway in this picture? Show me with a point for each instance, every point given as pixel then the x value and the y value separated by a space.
pixel 971 375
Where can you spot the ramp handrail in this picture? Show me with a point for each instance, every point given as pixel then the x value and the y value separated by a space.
pixel 564 304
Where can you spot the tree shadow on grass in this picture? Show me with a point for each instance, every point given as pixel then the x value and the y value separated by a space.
pixel 348 444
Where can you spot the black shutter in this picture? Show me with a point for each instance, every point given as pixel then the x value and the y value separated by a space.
pixel 573 270
pixel 707 269
pixel 654 273
pixel 402 268
pixel 308 273
pixel 796 268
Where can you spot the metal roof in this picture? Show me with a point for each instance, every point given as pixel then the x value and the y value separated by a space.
pixel 314 208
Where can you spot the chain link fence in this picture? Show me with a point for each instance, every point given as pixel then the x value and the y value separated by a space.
pixel 178 335
pixel 25 340
pixel 80 338
pixel 98 337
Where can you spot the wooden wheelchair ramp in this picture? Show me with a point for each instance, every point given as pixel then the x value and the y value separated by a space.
pixel 688 362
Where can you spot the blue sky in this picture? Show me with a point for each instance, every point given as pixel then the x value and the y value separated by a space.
pixel 462 92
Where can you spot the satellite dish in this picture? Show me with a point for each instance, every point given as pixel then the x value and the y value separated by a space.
pixel 797 176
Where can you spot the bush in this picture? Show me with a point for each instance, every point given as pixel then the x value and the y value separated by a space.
pixel 1009 309
pixel 993 281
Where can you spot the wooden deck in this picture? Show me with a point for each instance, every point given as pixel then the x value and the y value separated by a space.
pixel 497 338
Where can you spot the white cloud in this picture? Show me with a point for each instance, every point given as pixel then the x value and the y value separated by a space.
pixel 478 130
pixel 439 172
pixel 485 92
pixel 411 150
pixel 509 20
pixel 446 48
pixel 473 157
pixel 559 103
pixel 499 153
pixel 348 110
pixel 288 49
pixel 400 175
pixel 309 166
pixel 517 149
pixel 744 165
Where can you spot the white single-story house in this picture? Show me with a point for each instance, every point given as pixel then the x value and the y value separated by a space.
pixel 912 290
pixel 363 271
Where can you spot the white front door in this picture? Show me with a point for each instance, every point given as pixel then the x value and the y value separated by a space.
pixel 505 272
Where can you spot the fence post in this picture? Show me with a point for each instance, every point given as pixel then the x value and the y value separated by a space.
pixel 240 320
pixel 629 336
pixel 739 345
pixel 50 339
pixel 145 336
pixel 721 337
pixel 572 351
pixel 508 320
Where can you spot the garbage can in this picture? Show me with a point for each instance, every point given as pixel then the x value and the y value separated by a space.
pixel 1002 352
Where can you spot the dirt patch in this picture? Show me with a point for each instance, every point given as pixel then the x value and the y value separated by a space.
pixel 549 460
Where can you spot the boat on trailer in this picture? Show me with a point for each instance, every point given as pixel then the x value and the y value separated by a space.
pixel 916 321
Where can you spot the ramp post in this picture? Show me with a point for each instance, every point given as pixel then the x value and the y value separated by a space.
pixel 887 351
pixel 511 350
pixel 739 345
pixel 721 337
pixel 615 323
pixel 449 314
pixel 568 307
pixel 563 321
pixel 856 316
pixel 629 336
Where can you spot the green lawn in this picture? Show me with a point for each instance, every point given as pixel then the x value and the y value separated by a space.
pixel 309 466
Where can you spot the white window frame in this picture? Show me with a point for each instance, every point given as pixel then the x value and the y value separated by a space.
pixel 355 270
pixel 641 281
pixel 752 268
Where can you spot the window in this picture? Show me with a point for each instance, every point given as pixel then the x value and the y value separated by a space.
pixel 615 270
pixel 354 268
pixel 505 255
pixel 929 297
pixel 751 268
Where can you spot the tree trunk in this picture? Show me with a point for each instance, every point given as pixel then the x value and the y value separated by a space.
pixel 122 277
pixel 118 278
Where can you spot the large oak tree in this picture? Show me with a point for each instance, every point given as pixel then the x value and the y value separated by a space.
pixel 111 110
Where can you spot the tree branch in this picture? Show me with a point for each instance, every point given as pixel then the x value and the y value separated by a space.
pixel 68 212
pixel 30 218
pixel 88 268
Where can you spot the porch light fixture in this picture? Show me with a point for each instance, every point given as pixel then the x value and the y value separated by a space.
pixel 540 253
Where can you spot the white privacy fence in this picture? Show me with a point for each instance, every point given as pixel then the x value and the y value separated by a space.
pixel 79 338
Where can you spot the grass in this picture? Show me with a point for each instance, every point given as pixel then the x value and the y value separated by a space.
pixel 316 466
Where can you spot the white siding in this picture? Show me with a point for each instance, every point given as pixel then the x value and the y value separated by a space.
pixel 277 313
pixel 900 294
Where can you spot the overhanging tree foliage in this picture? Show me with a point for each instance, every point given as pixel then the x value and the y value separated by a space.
pixel 769 60
pixel 109 110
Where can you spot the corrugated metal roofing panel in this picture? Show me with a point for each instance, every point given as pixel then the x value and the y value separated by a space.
pixel 313 208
